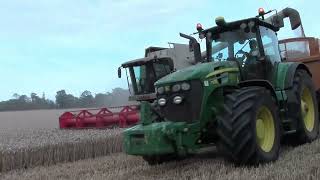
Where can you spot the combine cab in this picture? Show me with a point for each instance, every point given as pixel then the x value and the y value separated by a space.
pixel 157 63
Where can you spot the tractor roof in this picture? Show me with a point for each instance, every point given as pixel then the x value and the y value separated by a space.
pixel 274 22
pixel 236 24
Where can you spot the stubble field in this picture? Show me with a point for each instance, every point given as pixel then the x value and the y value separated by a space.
pixel 294 163
pixel 301 162
pixel 32 138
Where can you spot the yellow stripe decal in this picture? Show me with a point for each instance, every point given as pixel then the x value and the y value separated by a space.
pixel 222 71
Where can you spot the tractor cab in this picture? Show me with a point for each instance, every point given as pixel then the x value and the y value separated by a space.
pixel 251 43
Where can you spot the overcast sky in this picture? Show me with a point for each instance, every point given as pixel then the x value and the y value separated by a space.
pixel 77 45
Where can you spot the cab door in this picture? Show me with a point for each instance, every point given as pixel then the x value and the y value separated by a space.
pixel 270 54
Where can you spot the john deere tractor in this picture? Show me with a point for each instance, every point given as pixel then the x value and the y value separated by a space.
pixel 243 98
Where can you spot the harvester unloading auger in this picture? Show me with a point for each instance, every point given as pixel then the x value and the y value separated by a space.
pixel 244 98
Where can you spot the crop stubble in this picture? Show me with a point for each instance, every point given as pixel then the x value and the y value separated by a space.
pixel 25 148
pixel 294 163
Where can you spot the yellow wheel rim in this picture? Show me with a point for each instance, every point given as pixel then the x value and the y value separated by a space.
pixel 265 129
pixel 307 109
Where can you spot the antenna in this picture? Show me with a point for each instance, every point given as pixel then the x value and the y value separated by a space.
pixel 267 4
pixel 171 44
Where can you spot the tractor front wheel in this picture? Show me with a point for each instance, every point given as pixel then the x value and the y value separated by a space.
pixel 248 127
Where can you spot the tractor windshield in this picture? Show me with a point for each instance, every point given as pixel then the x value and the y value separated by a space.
pixel 247 48
pixel 233 45
pixel 144 76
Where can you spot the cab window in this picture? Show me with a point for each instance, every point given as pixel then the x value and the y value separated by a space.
pixel 270 44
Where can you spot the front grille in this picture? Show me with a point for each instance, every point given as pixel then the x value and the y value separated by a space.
pixel 189 109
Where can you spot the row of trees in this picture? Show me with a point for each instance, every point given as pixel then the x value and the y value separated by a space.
pixel 117 97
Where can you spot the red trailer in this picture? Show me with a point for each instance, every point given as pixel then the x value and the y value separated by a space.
pixel 123 116
pixel 306 50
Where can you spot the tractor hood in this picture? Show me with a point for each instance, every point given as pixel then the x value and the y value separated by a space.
pixel 199 71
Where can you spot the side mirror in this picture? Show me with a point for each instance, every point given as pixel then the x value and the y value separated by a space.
pixel 119 72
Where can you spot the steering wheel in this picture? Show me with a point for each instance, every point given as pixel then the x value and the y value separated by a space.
pixel 242 59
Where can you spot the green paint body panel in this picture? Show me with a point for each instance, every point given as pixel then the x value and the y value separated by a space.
pixel 149 138
pixel 181 138
pixel 281 75
pixel 199 71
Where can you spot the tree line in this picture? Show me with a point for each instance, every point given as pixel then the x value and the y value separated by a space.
pixel 63 100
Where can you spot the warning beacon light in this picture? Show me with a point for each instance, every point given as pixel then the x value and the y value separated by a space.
pixel 199 27
pixel 261 12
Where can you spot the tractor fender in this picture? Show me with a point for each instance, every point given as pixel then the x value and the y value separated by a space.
pixel 285 71
pixel 261 83
pixel 291 71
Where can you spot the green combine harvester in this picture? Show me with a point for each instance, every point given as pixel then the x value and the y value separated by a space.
pixel 243 97
pixel 157 63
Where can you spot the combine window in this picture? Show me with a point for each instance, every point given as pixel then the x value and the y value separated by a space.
pixel 144 76
pixel 162 68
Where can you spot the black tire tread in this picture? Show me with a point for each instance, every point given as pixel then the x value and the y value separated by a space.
pixel 234 125
pixel 300 137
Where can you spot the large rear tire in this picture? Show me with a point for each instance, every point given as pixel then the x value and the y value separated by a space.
pixel 248 128
pixel 303 108
pixel 318 99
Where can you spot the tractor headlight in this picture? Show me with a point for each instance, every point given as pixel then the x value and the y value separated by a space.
pixel 185 86
pixel 176 88
pixel 162 101
pixel 160 90
pixel 177 100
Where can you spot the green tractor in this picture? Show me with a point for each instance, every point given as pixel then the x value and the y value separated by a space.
pixel 243 98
